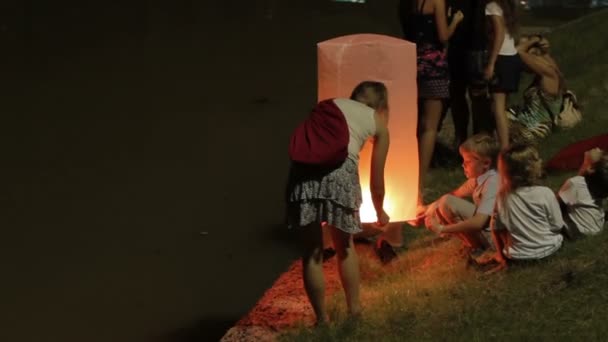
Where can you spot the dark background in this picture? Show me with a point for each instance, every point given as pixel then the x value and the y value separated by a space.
pixel 144 157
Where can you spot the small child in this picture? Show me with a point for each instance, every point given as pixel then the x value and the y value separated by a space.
pixel 581 196
pixel 451 214
pixel 528 221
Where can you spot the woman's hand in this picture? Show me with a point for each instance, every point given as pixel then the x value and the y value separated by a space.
pixel 383 218
pixel 458 17
pixel 544 44
pixel 488 72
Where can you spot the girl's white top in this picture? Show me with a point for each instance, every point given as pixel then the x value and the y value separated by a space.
pixel 508 45
pixel 361 125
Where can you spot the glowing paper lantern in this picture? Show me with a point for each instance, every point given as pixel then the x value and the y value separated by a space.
pixel 344 62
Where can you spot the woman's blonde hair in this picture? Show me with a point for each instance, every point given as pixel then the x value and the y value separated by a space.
pixel 371 93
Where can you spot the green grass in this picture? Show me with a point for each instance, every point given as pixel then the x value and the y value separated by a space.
pixel 428 293
pixel 552 16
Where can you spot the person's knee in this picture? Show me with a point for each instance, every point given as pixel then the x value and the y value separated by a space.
pixel 312 255
pixel 429 126
pixel 343 253
pixel 311 239
pixel 446 203
pixel 343 242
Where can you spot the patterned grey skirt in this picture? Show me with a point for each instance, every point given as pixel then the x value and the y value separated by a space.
pixel 325 196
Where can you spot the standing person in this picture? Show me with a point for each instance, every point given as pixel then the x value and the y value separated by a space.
pixel 504 65
pixel 320 197
pixel 424 22
pixel 469 37
pixel 528 222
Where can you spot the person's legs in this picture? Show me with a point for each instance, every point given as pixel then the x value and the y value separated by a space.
pixel 427 138
pixel 348 266
pixel 311 237
pixel 480 112
pixel 473 240
pixel 460 109
pixel 452 209
pixel 499 102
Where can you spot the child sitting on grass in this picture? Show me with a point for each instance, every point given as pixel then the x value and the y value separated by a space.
pixel 452 214
pixel 581 196
pixel 528 220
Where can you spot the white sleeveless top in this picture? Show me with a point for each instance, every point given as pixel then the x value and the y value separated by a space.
pixel 361 125
pixel 508 45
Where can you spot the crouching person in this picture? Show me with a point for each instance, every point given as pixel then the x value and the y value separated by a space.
pixel 453 214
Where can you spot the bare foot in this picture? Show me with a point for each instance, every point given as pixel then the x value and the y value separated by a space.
pixel 502 266
pixel 420 216
pixel 487 258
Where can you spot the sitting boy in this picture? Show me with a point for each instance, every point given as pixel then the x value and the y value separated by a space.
pixel 452 214
pixel 581 196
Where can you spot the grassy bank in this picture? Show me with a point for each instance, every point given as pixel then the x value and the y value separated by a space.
pixel 428 293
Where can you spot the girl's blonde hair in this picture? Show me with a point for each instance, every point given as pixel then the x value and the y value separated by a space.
pixel 517 169
pixel 371 93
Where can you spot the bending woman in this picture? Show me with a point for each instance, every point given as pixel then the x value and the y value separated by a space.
pixel 319 198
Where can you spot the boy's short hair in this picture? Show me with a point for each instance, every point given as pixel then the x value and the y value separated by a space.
pixel 597 181
pixel 483 145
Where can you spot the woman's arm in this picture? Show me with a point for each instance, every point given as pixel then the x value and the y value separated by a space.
pixel 498 24
pixel 443 30
pixel 379 152
pixel 536 64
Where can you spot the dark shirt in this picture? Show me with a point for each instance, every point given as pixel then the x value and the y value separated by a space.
pixel 470 33
pixel 418 27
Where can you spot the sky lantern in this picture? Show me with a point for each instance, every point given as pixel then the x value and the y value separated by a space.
pixel 344 62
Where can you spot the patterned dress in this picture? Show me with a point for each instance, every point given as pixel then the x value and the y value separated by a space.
pixel 432 74
pixel 326 196
pixel 317 195
pixel 534 120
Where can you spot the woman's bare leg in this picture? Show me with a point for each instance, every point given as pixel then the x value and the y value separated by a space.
pixel 500 117
pixel 348 266
pixel 312 269
pixel 427 138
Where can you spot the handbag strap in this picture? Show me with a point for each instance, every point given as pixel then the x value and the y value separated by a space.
pixel 546 106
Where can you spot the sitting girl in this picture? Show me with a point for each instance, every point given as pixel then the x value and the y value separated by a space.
pixel 543 98
pixel 528 221
pixel 581 196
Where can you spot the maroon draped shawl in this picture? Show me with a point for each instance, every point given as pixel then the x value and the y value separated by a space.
pixel 321 139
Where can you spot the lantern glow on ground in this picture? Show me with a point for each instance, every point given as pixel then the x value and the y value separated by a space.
pixel 344 62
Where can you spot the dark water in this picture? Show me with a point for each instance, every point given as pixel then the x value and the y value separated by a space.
pixel 143 160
